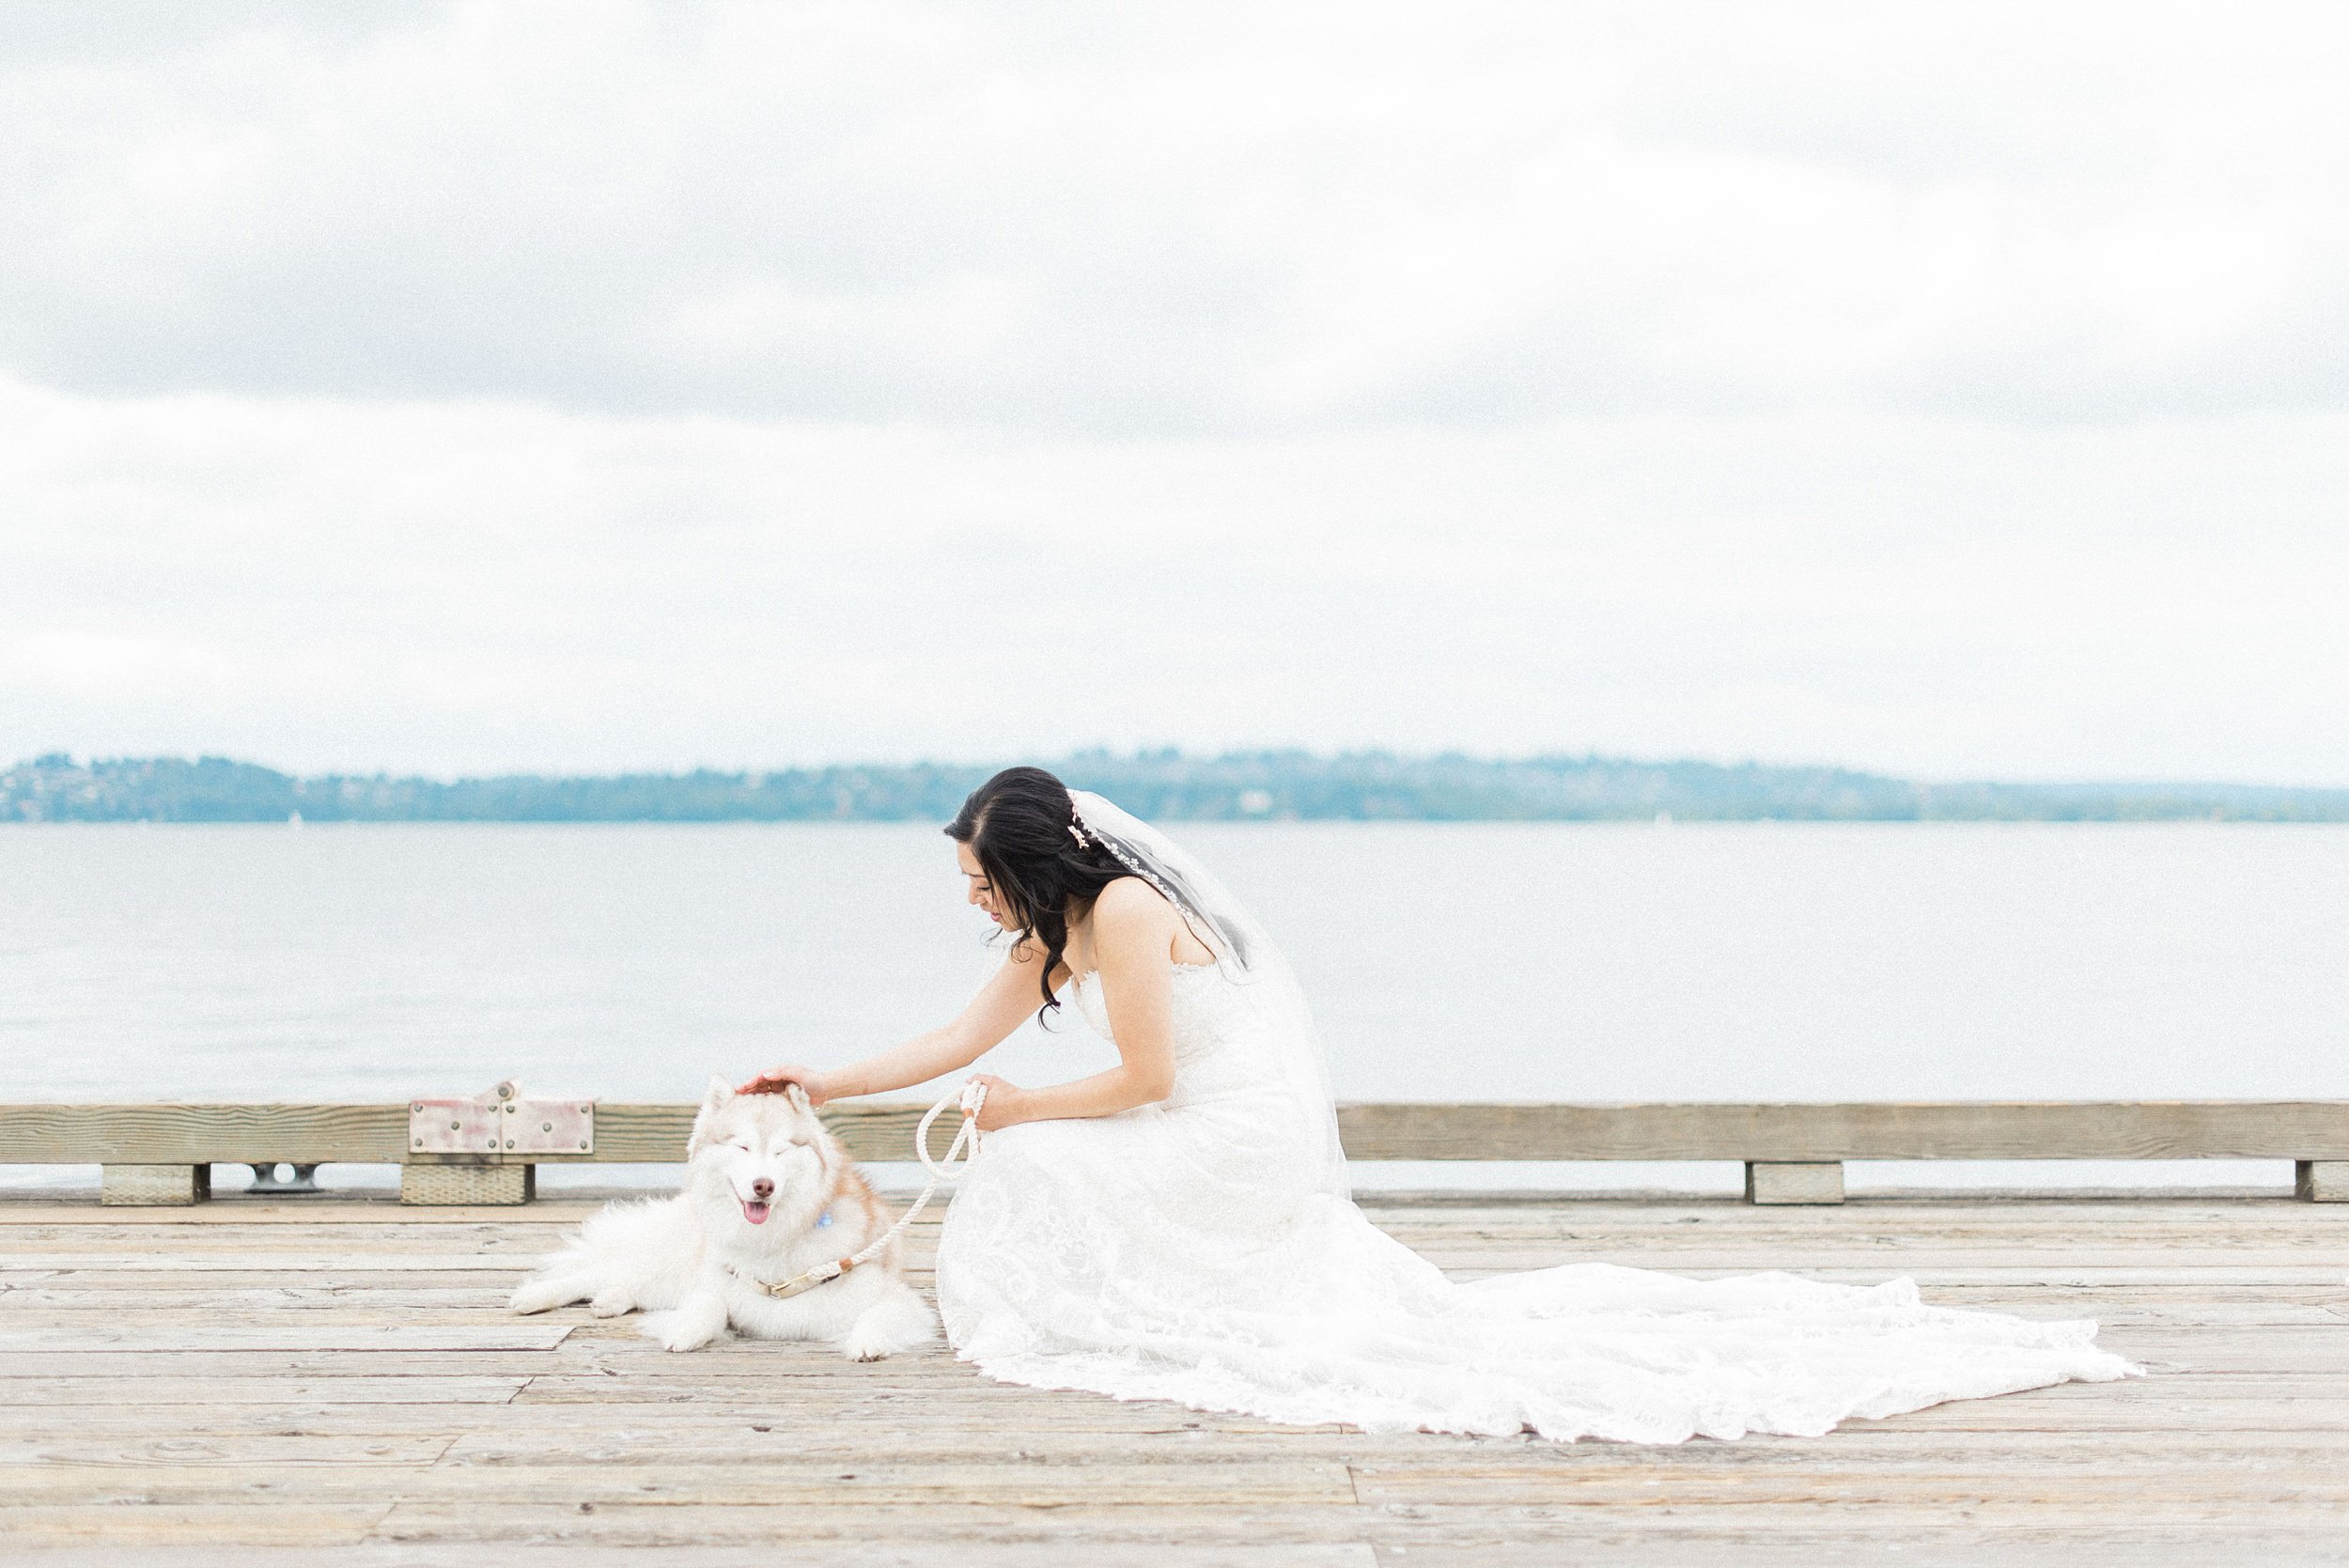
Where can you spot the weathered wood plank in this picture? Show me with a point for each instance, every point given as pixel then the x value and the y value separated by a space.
pixel 2301 1130
pixel 366 1134
pixel 382 1240
pixel 739 1386
pixel 783 1409
pixel 1969 1270
pixel 826 1443
pixel 909 1552
pixel 157 1297
pixel 2242 1403
pixel 1273 1480
pixel 331 1210
pixel 1949 1542
pixel 1530 1544
pixel 913 1552
pixel 486 1334
pixel 828 1501
pixel 247 1261
pixel 1952 1542
pixel 310 1525
pixel 245 1447
pixel 2309 1350
pixel 1803 1132
pixel 2178 1420
pixel 23 1393
pixel 161 1301
pixel 155 1365
pixel 2316 1481
pixel 194 1134
pixel 1559 1531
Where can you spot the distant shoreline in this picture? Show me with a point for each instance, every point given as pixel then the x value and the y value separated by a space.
pixel 1168 785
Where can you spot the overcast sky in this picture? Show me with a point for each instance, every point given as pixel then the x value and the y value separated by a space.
pixel 1960 389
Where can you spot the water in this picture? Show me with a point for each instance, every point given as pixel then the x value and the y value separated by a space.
pixel 1446 961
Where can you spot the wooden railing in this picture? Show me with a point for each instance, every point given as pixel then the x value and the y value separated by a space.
pixel 1793 1153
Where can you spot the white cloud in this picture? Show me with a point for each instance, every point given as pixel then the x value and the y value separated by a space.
pixel 1198 218
pixel 1954 389
pixel 491 584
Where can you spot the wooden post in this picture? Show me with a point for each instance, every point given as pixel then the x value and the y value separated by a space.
pixel 154 1185
pixel 472 1183
pixel 1809 1181
pixel 2322 1181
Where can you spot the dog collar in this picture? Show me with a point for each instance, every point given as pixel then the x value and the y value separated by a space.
pixel 799 1284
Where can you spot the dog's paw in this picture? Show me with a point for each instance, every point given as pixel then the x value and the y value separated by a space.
pixel 868 1340
pixel 898 1321
pixel 673 1331
pixel 611 1302
pixel 537 1295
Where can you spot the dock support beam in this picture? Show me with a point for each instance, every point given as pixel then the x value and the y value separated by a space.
pixel 2322 1181
pixel 481 1183
pixel 135 1186
pixel 1809 1181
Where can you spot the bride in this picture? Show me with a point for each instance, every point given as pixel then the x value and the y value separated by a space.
pixel 1177 1227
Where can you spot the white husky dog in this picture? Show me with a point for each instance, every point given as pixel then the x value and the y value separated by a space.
pixel 768 1194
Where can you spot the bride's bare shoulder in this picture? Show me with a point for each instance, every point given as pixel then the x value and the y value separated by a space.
pixel 1131 919
pixel 1130 901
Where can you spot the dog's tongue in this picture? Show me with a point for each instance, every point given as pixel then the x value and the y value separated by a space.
pixel 755 1213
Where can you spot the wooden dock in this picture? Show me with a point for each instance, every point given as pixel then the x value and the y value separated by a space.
pixel 330 1381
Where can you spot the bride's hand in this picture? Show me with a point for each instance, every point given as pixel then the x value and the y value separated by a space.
pixel 1002 1107
pixel 772 1081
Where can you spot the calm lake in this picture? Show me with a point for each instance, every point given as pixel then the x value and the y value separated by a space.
pixel 1446 961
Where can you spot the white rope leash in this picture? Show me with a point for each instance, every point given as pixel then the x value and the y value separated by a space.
pixel 970 1096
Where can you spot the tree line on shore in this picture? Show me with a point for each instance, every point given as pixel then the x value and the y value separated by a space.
pixel 1167 784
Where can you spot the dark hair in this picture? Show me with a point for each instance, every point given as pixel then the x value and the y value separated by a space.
pixel 1018 825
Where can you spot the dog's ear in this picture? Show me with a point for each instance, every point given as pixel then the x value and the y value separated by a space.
pixel 798 1096
pixel 712 1102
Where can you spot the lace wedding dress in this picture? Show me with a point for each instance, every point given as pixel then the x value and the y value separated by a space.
pixel 1202 1250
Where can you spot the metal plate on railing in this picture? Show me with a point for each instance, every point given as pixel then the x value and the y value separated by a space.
pixel 500 1122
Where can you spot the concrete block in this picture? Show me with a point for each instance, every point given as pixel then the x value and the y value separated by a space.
pixel 1804 1182
pixel 152 1186
pixel 2323 1181
pixel 468 1184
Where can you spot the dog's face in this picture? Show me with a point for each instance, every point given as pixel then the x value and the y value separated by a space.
pixel 768 1151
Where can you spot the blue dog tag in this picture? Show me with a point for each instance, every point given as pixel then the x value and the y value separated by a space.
pixel 823 1219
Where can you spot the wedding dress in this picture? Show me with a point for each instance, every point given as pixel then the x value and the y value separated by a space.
pixel 1203 1249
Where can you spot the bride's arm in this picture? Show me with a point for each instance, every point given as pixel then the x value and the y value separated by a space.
pixel 1007 998
pixel 1133 936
